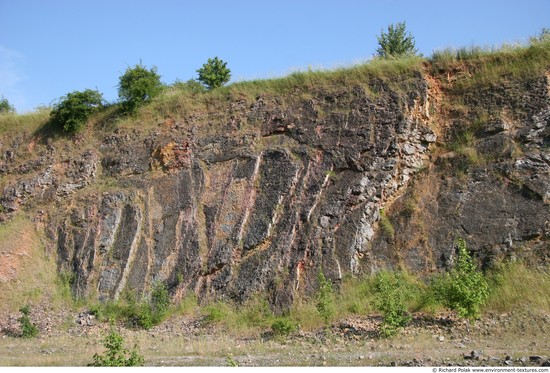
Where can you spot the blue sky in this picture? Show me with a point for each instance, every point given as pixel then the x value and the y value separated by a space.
pixel 49 48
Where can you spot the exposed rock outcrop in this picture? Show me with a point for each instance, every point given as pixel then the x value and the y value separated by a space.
pixel 261 194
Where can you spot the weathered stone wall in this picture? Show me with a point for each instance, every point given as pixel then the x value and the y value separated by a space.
pixel 263 194
pixel 494 193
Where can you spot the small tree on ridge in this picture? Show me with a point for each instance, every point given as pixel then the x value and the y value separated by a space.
pixel 137 86
pixel 5 106
pixel 72 111
pixel 214 73
pixel 396 42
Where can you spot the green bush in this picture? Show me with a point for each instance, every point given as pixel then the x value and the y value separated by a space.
pixel 97 311
pixel 396 42
pixel 5 106
pixel 152 312
pixel 386 225
pixel 216 312
pixel 283 326
pixel 72 111
pixel 214 73
pixel 65 281
pixel 248 317
pixel 28 329
pixel 325 299
pixel 160 299
pixel 137 86
pixel 116 355
pixel 391 293
pixel 464 288
pixel 144 314
pixel 112 311
pixel 255 313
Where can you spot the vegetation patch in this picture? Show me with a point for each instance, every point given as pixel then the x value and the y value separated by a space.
pixel 12 123
pixel 464 288
pixel 116 355
pixel 391 294
pixel 514 285
pixel 144 314
pixel 283 326
pixel 325 299
pixel 137 86
pixel 478 68
pixel 396 42
pixel 28 329
pixel 23 257
pixel 386 225
pixel 248 318
pixel 5 106
pixel 214 73
pixel 73 111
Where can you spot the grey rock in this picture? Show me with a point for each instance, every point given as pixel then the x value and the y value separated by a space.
pixel 262 199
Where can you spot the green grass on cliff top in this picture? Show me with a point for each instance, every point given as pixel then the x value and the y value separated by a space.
pixel 475 66
pixel 482 67
pixel 179 101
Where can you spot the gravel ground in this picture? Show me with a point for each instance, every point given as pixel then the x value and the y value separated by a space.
pixel 69 338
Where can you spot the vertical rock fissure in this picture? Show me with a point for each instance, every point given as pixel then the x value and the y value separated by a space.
pixel 252 193
pixel 131 254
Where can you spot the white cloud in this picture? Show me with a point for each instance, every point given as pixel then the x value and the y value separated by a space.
pixel 11 76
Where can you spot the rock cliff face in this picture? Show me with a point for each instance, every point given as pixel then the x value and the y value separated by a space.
pixel 492 188
pixel 259 195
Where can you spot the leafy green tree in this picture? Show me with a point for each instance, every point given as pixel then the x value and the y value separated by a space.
pixel 214 73
pixel 116 355
pixel 325 298
pixel 391 294
pixel 464 288
pixel 137 86
pixel 72 111
pixel 5 106
pixel 396 42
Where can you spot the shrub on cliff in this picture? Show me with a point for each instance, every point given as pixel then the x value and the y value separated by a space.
pixel 137 86
pixel 72 111
pixel 464 288
pixel 396 42
pixel 214 73
pixel 5 106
